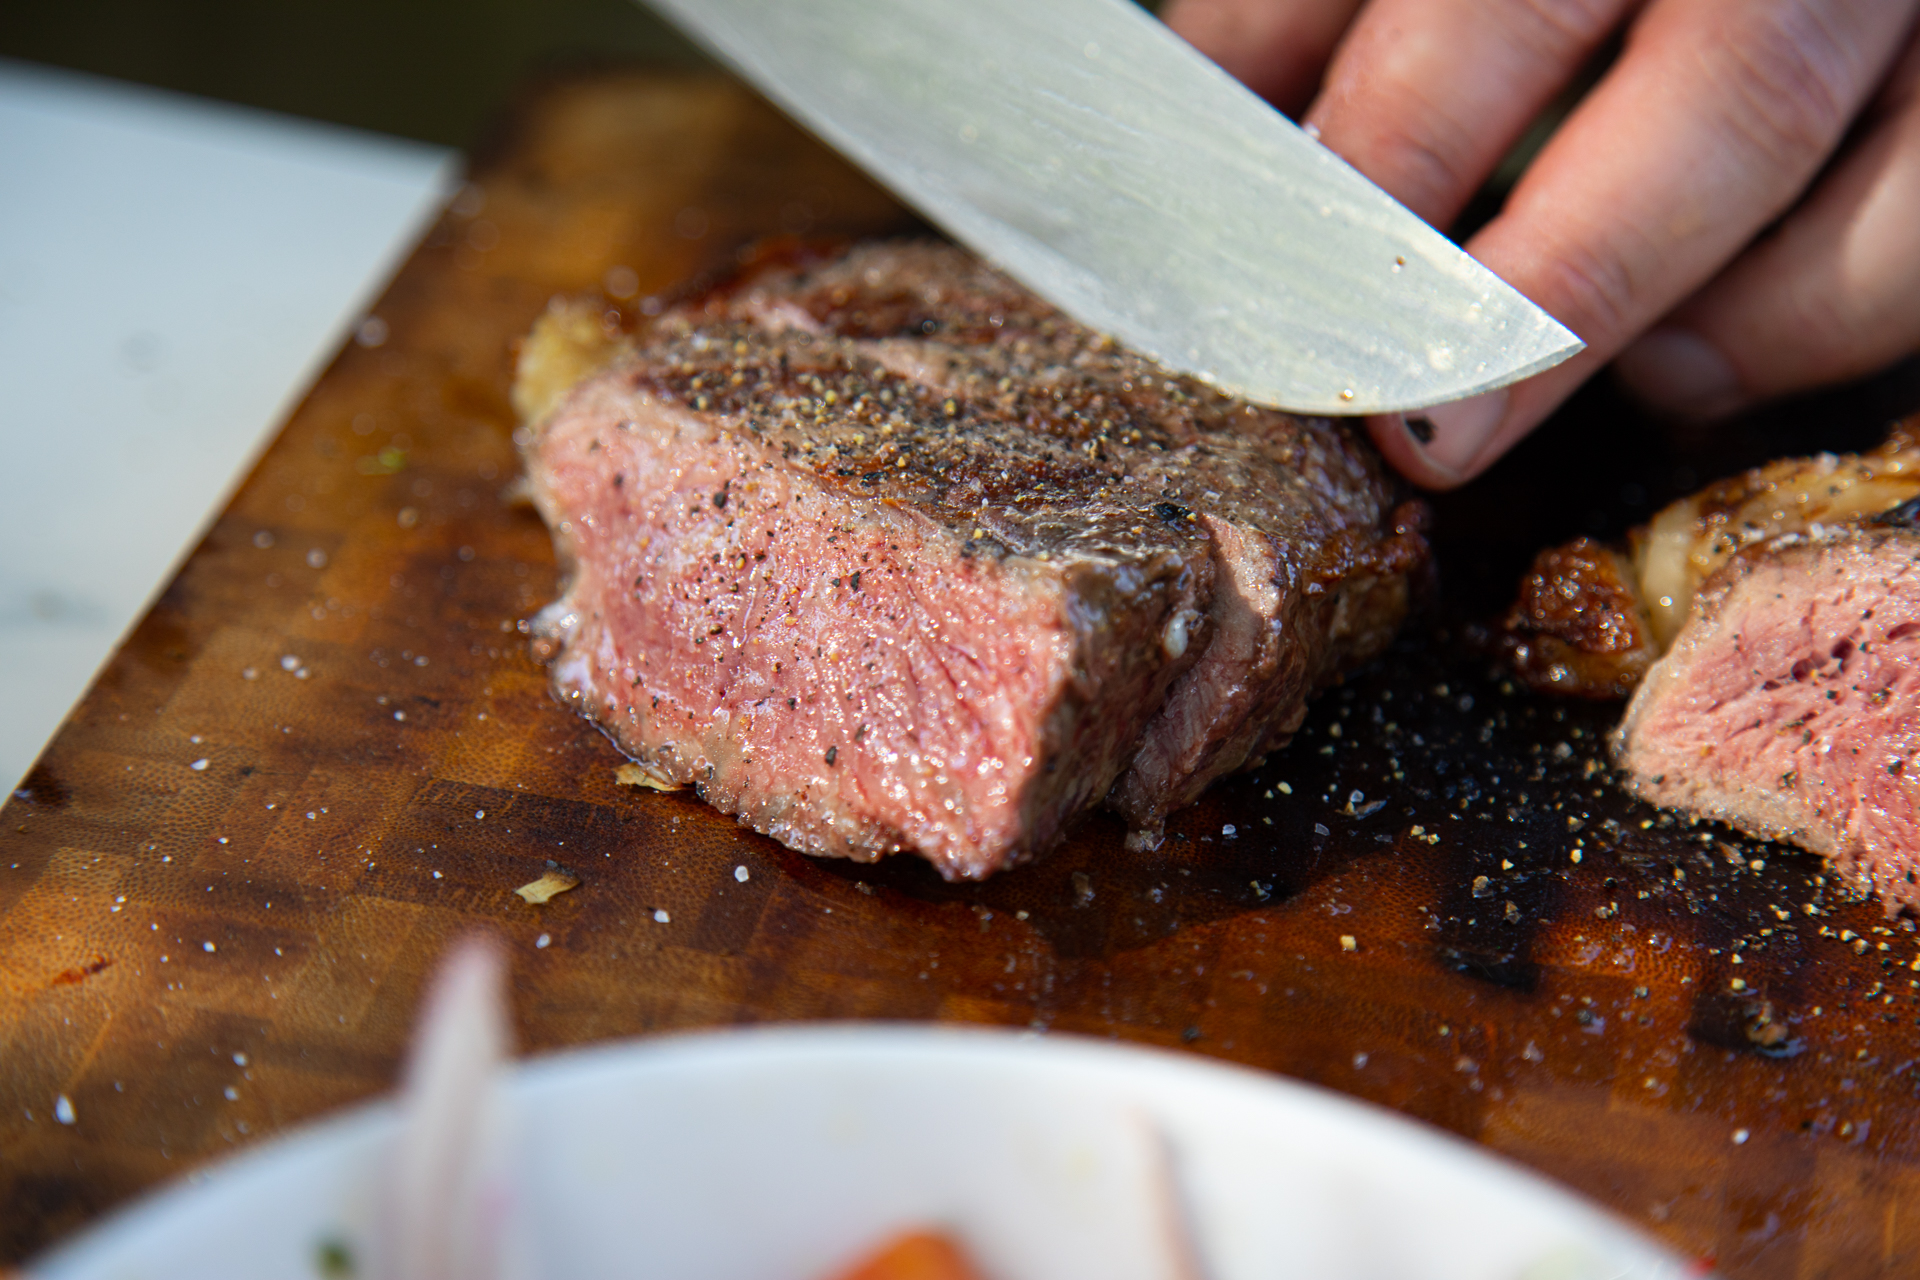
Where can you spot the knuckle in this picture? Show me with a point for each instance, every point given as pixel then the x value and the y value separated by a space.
pixel 1434 166
pixel 1412 145
pixel 1791 82
pixel 1603 301
pixel 1566 27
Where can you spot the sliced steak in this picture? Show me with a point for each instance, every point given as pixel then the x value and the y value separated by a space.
pixel 1789 704
pixel 880 553
pixel 1772 625
pixel 1590 619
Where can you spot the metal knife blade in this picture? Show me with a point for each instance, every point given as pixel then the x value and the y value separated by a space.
pixel 1111 168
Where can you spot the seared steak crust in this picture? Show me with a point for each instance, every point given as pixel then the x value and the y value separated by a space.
pixel 881 552
pixel 1578 626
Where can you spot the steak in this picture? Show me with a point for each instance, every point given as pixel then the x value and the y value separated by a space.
pixel 1768 629
pixel 880 552
pixel 1590 620
pixel 1789 704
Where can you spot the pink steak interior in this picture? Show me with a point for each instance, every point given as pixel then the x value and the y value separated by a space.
pixel 794 655
pixel 1792 705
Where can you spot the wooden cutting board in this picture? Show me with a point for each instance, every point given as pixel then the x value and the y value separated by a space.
pixel 326 752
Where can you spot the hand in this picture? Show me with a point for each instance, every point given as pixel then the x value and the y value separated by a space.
pixel 1731 213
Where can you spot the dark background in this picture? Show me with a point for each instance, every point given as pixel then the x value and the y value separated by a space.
pixel 436 70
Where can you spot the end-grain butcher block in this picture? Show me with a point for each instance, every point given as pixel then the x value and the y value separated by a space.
pixel 880 552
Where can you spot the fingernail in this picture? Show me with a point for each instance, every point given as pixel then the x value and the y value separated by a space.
pixel 1681 372
pixel 1451 435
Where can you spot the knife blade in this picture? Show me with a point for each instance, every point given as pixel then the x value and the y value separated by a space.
pixel 1115 171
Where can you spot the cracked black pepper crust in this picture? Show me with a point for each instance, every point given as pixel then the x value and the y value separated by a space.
pixel 912 373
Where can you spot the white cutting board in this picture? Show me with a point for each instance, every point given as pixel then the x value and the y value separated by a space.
pixel 172 274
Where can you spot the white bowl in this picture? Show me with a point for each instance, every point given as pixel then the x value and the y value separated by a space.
pixel 764 1154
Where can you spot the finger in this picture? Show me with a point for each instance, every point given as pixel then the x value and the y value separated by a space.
pixel 1832 295
pixel 1426 96
pixel 1277 48
pixel 1711 124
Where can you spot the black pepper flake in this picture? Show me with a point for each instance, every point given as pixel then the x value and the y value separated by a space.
pixel 832 752
pixel 1171 512
pixel 855 580
pixel 720 498
pixel 1906 515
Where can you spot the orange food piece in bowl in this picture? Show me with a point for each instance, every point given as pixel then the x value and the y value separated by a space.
pixel 916 1255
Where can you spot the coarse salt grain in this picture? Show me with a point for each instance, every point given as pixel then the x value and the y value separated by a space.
pixel 740 874
pixel 543 941
pixel 1740 1137
pixel 660 916
pixel 63 1110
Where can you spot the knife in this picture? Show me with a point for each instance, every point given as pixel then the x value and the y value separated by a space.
pixel 1115 171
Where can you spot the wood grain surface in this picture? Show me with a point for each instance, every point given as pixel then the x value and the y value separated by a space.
pixel 326 752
